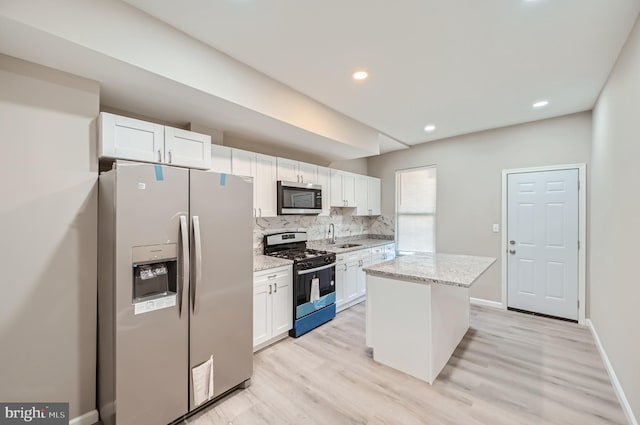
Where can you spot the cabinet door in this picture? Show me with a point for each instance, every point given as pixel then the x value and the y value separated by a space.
pixel 390 251
pixel 265 186
pixel 349 189
pixel 351 281
pixel 377 254
pixel 243 163
pixel 336 198
pixel 373 195
pixel 128 138
pixel 221 159
pixel 287 170
pixel 282 305
pixel 341 269
pixel 261 313
pixel 324 180
pixel 186 148
pixel 362 205
pixel 308 172
pixel 362 276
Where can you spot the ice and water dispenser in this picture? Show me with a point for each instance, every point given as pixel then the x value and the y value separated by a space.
pixel 155 277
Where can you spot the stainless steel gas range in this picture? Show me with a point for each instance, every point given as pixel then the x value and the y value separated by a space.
pixel 314 271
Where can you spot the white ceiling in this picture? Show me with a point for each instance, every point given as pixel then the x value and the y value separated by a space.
pixel 463 65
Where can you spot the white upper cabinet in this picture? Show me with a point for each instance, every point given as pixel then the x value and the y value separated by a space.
pixel 243 163
pixel 295 171
pixel 324 180
pixel 186 148
pixel 367 195
pixel 264 185
pixel 128 138
pixel 343 189
pixel 137 140
pixel 263 170
pixel 288 170
pixel 362 205
pixel 308 172
pixel 373 196
pixel 221 159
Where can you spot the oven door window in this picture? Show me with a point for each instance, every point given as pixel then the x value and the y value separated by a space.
pixel 314 291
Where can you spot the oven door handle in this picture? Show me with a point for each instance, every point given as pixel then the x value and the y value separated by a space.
pixel 301 272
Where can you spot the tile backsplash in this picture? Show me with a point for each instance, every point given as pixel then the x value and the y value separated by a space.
pixel 317 227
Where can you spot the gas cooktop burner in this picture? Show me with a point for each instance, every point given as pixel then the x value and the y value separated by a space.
pixel 299 255
pixel 293 246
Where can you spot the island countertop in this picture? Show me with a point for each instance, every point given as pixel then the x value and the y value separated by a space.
pixel 445 269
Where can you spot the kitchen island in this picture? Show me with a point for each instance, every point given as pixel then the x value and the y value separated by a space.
pixel 418 310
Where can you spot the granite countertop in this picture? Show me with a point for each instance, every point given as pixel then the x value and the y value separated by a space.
pixel 264 262
pixel 362 244
pixel 445 269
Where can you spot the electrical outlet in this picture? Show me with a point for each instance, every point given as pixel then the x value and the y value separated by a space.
pixel 496 228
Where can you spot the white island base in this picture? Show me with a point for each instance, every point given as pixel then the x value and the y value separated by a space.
pixel 415 326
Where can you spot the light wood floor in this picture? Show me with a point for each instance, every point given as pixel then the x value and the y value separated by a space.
pixel 510 368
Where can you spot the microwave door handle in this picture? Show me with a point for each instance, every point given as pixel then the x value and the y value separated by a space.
pixel 198 261
pixel 184 233
pixel 317 269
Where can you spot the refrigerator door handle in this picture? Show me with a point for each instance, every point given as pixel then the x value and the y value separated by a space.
pixel 198 260
pixel 184 233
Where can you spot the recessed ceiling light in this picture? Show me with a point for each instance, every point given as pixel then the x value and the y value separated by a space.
pixel 540 104
pixel 429 128
pixel 360 75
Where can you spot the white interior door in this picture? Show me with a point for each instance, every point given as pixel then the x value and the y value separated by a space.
pixel 542 242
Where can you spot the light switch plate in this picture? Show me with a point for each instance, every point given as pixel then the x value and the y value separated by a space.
pixel 496 228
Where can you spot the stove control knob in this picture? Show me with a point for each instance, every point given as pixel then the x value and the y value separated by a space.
pixel 304 265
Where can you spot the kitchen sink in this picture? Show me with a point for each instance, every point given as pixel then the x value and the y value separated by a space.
pixel 349 245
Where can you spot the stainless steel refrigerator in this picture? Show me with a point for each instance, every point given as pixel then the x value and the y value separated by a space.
pixel 174 290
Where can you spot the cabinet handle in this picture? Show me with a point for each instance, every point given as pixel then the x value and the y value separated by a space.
pixel 273 276
pixel 254 212
pixel 269 289
pixel 170 156
pixel 301 178
pixel 260 209
pixel 275 288
pixel 159 155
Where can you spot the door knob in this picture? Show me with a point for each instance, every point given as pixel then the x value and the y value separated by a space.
pixel 512 242
pixel 512 251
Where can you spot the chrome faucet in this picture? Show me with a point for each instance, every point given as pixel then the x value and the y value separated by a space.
pixel 332 232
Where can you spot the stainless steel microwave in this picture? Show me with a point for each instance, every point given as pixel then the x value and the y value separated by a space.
pixel 299 198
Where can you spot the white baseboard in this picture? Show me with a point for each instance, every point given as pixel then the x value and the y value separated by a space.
pixel 622 398
pixel 486 303
pixel 88 418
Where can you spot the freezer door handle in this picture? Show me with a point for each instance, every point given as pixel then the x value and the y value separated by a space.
pixel 184 233
pixel 198 261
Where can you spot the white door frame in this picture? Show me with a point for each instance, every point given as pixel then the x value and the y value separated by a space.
pixel 582 230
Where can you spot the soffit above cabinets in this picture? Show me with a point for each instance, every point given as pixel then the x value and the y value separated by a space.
pixel 280 72
pixel 463 65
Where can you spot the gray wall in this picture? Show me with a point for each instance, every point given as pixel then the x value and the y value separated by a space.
pixel 48 223
pixel 469 181
pixel 615 214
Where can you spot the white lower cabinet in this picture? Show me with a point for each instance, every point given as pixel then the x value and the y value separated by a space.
pixel 351 279
pixel 272 305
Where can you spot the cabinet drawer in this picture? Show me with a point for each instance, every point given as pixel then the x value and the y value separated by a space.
pixel 270 275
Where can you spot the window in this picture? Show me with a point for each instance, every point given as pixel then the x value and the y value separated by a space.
pixel 416 210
